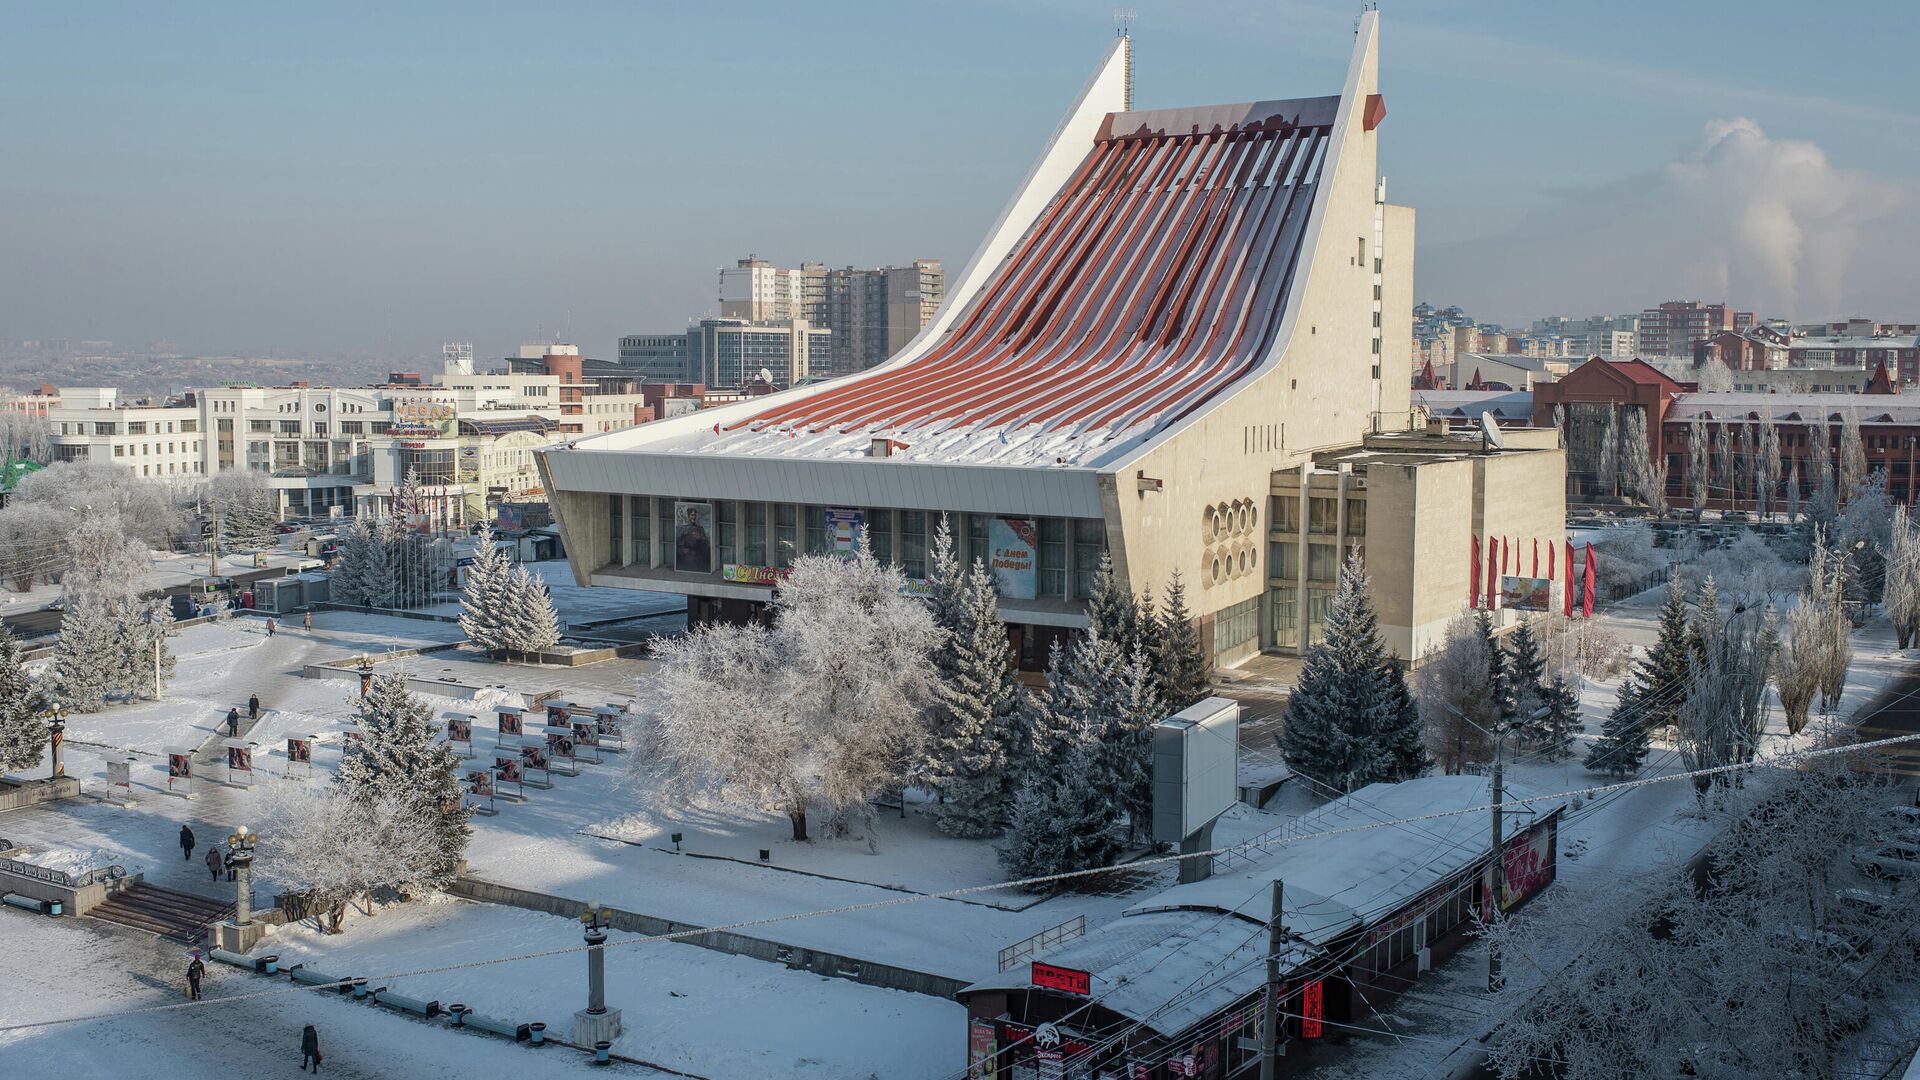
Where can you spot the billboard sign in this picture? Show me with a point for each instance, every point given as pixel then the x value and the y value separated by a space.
pixel 1313 1009
pixel 693 537
pixel 180 769
pixel 741 574
pixel 1526 865
pixel 460 729
pixel 120 774
pixel 510 722
pixel 1526 593
pixel 1015 546
pixel 423 415
pixel 843 530
pixel 1071 980
pixel 1196 768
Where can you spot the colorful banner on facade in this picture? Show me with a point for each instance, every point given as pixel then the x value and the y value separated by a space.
pixel 1015 544
pixel 423 415
pixel 693 537
pixel 1527 865
pixel 1526 593
pixel 741 574
pixel 843 528
pixel 980 1051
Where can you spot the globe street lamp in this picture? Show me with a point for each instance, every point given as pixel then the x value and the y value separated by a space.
pixel 596 1026
pixel 57 735
pixel 240 858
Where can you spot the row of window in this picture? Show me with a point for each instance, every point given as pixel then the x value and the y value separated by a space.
pixel 1322 515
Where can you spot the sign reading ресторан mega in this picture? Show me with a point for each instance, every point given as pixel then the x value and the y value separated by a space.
pixel 1053 977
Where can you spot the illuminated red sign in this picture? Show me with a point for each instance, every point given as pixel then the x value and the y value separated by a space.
pixel 1312 1009
pixel 1059 978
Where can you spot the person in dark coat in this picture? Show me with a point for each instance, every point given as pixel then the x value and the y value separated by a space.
pixel 214 862
pixel 253 706
pixel 309 1049
pixel 186 843
pixel 233 723
pixel 195 972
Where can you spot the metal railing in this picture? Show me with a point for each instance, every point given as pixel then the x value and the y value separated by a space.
pixel 1045 939
pixel 60 877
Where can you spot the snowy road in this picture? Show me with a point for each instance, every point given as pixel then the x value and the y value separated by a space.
pixel 51 968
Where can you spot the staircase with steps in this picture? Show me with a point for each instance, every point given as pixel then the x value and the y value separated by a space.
pixel 167 912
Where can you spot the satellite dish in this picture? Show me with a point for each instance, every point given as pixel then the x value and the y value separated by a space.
pixel 766 376
pixel 1490 429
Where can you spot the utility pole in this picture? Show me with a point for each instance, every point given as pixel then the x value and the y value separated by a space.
pixel 1270 1018
pixel 1497 868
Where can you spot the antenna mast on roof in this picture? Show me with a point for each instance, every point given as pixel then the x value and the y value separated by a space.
pixel 1125 17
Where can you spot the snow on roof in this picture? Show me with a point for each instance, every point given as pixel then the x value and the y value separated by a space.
pixel 1792 407
pixel 1211 932
pixel 1856 341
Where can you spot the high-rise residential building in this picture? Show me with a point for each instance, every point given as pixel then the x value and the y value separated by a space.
pixel 872 313
pixel 1670 329
pixel 758 291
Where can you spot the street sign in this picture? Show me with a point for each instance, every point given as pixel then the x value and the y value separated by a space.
pixel 1072 980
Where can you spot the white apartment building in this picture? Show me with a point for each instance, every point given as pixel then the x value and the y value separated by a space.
pixel 315 443
pixel 94 423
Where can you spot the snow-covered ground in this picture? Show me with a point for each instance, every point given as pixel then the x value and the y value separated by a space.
pixel 720 1016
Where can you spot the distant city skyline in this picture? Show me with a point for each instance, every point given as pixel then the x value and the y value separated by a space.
pixel 298 181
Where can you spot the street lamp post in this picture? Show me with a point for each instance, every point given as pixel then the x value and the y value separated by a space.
pixel 596 1025
pixel 240 857
pixel 57 736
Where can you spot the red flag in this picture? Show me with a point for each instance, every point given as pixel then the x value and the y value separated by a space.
pixel 1502 541
pixel 1536 556
pixel 1570 576
pixel 1586 601
pixel 1493 578
pixel 1550 550
pixel 1473 574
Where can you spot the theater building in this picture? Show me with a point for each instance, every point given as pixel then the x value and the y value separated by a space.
pixel 1177 310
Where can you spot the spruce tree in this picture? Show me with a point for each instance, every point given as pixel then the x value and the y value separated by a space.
pixel 1403 742
pixel 483 594
pixel 149 649
pixel 1181 666
pixel 398 754
pixel 972 744
pixel 1526 668
pixel 350 583
pixel 1062 820
pixel 1622 744
pixel 1342 702
pixel 379 576
pixel 1562 701
pixel 1500 689
pixel 23 727
pixel 1660 677
pixel 86 660
pixel 1128 743
pixel 529 622
pixel 1114 611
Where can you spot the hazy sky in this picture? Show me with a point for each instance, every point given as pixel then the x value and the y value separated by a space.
pixel 377 178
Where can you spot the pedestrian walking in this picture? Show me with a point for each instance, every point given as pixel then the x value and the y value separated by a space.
pixel 213 861
pixel 270 627
pixel 306 622
pixel 195 972
pixel 186 844
pixel 233 723
pixel 233 869
pixel 253 706
pixel 309 1049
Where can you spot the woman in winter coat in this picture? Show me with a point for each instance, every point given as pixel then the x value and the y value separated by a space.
pixel 214 862
pixel 309 1049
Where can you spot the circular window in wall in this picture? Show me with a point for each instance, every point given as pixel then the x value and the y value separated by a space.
pixel 1215 525
pixel 1246 560
pixel 1216 569
pixel 319 406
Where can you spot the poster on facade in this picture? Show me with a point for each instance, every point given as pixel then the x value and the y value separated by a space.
pixel 1526 865
pixel 423 415
pixel 843 530
pixel 1526 593
pixel 980 1051
pixel 1015 544
pixel 466 465
pixel 693 537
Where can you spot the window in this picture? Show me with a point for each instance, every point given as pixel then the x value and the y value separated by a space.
pixel 1356 517
pixel 639 518
pixel 1319 602
pixel 188 427
pixel 353 427
pixel 103 429
pixel 880 533
pixel 913 542
pixel 616 521
pixel 289 427
pixel 977 539
pixel 1286 513
pixel 816 529
pixel 756 553
pixel 260 427
pixel 783 537
pixel 1286 613
pixel 725 523
pixel 1283 561
pixel 1322 516
pixel 225 426
pixel 663 520
pixel 137 427
pixel 1053 556
pixel 1235 626
pixel 1089 543
pixel 1323 562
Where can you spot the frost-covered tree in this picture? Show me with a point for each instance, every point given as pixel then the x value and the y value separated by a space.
pixel 1645 477
pixel 1724 708
pixel 105 557
pixel 1343 712
pixel 1766 464
pixel 1650 696
pixel 1864 530
pixel 1177 654
pixel 358 575
pixel 1853 453
pixel 974 734
pixel 1610 456
pixel 1724 464
pixel 1826 503
pixel 247 507
pixel 1698 459
pixel 84 490
pixel 398 756
pixel 1713 377
pixel 483 593
pixel 1831 644
pixel 86 660
pixel 333 846
pixel 1793 491
pixel 23 727
pixel 529 623
pixel 1063 820
pixel 1455 705
pixel 141 631
pixel 1561 699
pixel 1623 742
pixel 1901 595
pixel 826 708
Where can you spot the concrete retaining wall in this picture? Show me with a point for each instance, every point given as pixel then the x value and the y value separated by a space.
pixel 835 965
pixel 76 901
pixel 16 794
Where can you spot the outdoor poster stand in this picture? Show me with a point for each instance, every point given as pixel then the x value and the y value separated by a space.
pixel 586 736
pixel 300 753
pixel 507 767
pixel 120 775
pixel 239 762
pixel 460 734
pixel 560 748
pixel 534 756
pixel 511 718
pixel 480 786
pixel 606 724
pixel 559 712
pixel 180 772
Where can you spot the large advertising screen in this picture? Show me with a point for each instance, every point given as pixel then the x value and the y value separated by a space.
pixel 693 537
pixel 1016 553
